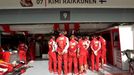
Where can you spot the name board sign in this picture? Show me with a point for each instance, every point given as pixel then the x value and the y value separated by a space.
pixel 18 4
pixel 76 1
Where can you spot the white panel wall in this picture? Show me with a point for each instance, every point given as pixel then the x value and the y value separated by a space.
pixel 126 41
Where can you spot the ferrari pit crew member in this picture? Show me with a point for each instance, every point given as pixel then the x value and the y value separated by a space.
pixel 103 49
pixel 87 44
pixel 95 55
pixel 82 54
pixel 52 55
pixel 31 47
pixel 62 48
pixel 22 48
pixel 72 52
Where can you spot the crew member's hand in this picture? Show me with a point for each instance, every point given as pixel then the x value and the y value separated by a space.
pixel 78 55
pixel 59 53
pixel 95 52
pixel 64 51
pixel 53 50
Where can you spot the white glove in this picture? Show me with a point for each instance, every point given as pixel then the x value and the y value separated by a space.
pixel 53 50
pixel 10 52
pixel 64 51
pixel 95 52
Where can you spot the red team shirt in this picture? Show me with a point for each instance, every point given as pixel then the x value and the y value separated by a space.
pixel 103 42
pixel 22 47
pixel 61 42
pixel 72 47
pixel 50 44
pixel 82 47
pixel 95 44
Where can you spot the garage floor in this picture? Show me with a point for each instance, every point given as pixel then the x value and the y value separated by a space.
pixel 40 67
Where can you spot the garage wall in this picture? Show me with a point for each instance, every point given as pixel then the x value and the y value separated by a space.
pixel 126 33
pixel 17 16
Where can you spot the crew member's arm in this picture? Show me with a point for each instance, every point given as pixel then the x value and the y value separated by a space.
pixel 26 47
pixel 54 45
pixel 98 48
pixel 76 47
pixel 87 45
pixel 92 48
pixel 67 46
pixel 78 50
pixel 53 49
pixel 57 40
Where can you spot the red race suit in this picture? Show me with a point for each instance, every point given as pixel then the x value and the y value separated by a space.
pixel 32 50
pixel 103 49
pixel 62 48
pixel 73 56
pixel 52 56
pixel 95 55
pixel 82 52
pixel 22 52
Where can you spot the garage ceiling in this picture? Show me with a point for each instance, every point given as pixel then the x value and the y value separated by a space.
pixel 48 28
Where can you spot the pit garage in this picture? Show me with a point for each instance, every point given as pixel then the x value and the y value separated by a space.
pixel 112 19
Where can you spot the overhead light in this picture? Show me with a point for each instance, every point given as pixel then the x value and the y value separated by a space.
pixel 6 33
